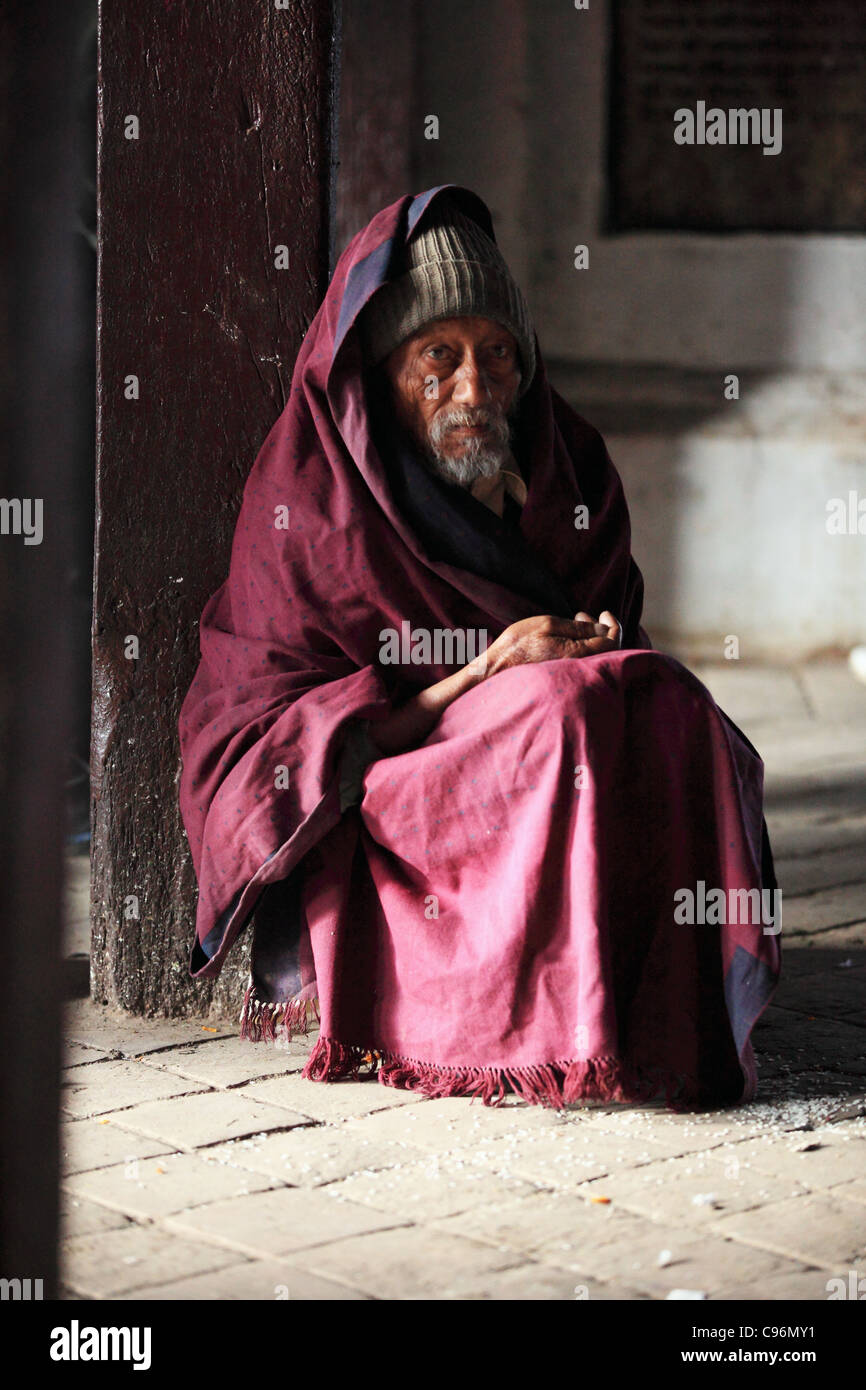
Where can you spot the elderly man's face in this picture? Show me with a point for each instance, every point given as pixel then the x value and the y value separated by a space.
pixel 454 385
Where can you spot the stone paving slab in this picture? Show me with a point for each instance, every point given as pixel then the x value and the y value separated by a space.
pixel 723 1131
pixel 828 795
pixel 228 1062
pixel 100 1087
pixel 528 1224
pixel 207 1118
pixel 834 696
pixel 790 1044
pixel 79 1217
pixel 822 765
pixel 278 1222
pixel 820 1035
pixel 852 1128
pixel 799 835
pixel 819 1160
pixel 826 908
pixel 260 1280
pixel 110 1030
pixel 817 1229
pixel 86 1144
pixel 681 1134
pixel 833 992
pixel 321 1100
pixel 806 1099
pixel 154 1187
pixel 795 1285
pixel 565 1155
pixel 700 1262
pixel 538 1282
pixel 455 1122
pixel 613 1245
pixel 812 958
pixel 843 864
pixel 310 1157
pixel 841 938
pixel 108 1263
pixel 436 1185
pixel 694 1189
pixel 754 695
pixel 409 1262
pixel 74 1054
pixel 853 1191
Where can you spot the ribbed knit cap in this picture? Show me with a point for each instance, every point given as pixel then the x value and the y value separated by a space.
pixel 452 269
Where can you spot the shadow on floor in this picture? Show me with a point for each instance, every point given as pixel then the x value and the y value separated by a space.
pixel 811 1041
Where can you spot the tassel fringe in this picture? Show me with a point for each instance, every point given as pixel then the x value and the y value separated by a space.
pixel 262 1022
pixel 553 1084
pixel 608 1080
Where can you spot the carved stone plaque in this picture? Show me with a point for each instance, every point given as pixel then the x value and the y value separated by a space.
pixel 727 115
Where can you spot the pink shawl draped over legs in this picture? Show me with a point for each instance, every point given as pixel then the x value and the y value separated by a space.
pixel 555 894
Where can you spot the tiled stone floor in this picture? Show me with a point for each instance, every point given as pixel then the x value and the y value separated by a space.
pixel 201 1167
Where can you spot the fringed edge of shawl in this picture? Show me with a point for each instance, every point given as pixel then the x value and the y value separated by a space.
pixel 552 1084
pixel 260 1021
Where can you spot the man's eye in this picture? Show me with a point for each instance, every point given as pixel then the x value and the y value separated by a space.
pixel 437 353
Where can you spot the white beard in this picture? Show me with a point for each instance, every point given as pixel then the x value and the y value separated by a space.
pixel 480 458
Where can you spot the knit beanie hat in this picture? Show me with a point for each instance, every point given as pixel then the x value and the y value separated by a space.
pixel 452 269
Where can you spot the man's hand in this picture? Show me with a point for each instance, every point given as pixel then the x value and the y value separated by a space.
pixel 532 639
pixel 550 639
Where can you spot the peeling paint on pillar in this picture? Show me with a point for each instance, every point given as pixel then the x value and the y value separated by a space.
pixel 233 158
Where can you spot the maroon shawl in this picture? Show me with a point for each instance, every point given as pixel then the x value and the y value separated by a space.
pixel 552 964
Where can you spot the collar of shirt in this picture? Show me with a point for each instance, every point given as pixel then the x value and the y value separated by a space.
pixel 491 491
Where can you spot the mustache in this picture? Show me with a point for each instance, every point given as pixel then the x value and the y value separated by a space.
pixel 455 417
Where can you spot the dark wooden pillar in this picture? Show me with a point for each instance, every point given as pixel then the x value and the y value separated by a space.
pixel 43 342
pixel 215 169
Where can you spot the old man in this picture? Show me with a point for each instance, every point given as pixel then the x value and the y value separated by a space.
pixel 429 755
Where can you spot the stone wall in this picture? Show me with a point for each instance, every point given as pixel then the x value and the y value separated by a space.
pixel 729 497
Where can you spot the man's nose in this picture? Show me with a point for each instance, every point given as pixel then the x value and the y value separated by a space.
pixel 471 385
